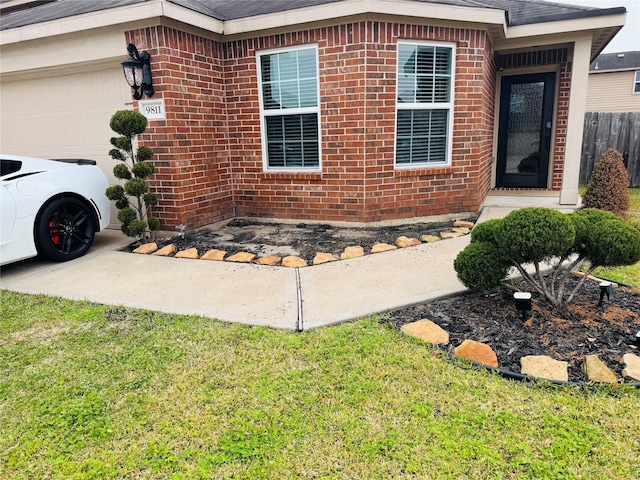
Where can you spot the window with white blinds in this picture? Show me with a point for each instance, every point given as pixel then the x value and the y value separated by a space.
pixel 424 107
pixel 289 108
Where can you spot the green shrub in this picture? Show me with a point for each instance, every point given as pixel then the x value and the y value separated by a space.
pixel 535 234
pixel 532 236
pixel 480 266
pixel 485 231
pixel 133 199
pixel 608 187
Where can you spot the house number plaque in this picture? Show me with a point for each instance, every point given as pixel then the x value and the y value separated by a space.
pixel 152 109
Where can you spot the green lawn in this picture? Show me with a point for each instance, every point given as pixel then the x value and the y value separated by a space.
pixel 629 274
pixel 88 391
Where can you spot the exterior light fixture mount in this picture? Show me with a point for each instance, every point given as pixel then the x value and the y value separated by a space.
pixel 137 72
pixel 523 303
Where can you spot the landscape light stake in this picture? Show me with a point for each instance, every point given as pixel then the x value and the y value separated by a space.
pixel 523 303
pixel 606 288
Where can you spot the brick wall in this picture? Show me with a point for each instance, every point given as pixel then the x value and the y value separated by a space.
pixel 193 176
pixel 358 181
pixel 208 151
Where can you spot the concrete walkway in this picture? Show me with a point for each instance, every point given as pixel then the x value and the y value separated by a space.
pixel 278 297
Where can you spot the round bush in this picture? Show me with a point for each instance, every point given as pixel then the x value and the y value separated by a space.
pixel 128 123
pixel 535 234
pixel 135 228
pixel 480 266
pixel 136 187
pixel 154 223
pixel 121 143
pixel 611 243
pixel 143 169
pixel 115 192
pixel 122 171
pixel 144 153
pixel 150 199
pixel 127 215
pixel 485 231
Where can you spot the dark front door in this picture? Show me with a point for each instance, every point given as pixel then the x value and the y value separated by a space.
pixel 524 130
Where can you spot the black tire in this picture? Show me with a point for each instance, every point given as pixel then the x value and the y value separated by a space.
pixel 64 229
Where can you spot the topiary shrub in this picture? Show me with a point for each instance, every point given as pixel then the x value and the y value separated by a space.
pixel 546 238
pixel 608 187
pixel 133 199
pixel 480 266
pixel 485 231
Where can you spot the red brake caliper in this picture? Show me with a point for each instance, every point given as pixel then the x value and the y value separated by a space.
pixel 55 239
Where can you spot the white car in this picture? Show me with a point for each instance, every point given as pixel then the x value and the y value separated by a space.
pixel 50 207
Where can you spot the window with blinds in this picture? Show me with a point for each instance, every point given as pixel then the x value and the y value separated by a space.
pixel 424 115
pixel 289 108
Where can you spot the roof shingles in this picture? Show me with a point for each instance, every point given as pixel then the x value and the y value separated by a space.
pixel 519 12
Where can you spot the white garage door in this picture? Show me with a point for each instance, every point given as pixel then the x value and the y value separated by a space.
pixel 65 115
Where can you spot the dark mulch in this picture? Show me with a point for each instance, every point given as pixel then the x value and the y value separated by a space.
pixel 582 329
pixel 302 239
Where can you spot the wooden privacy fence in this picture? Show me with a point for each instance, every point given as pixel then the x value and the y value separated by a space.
pixel 603 130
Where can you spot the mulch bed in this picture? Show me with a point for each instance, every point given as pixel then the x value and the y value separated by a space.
pixel 583 328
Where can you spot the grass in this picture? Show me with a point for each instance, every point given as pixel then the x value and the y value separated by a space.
pixel 92 392
pixel 628 274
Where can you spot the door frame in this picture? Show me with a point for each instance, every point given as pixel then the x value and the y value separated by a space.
pixel 550 78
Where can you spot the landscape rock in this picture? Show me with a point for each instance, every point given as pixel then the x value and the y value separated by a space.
pixel 293 262
pixel 631 366
pixel 214 254
pixel 322 257
pixel 270 260
pixel 427 331
pixel 597 371
pixel 463 223
pixel 146 248
pixel 542 366
pixel 404 242
pixel 462 230
pixel 242 257
pixel 430 238
pixel 188 253
pixel 382 247
pixel 477 352
pixel 445 235
pixel 166 250
pixel 352 252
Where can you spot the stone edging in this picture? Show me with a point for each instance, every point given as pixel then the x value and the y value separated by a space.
pixel 533 366
pixel 460 228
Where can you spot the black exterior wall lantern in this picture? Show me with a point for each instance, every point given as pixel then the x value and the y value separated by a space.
pixel 137 72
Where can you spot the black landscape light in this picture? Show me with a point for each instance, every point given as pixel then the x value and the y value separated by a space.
pixel 523 303
pixel 137 72
pixel 606 288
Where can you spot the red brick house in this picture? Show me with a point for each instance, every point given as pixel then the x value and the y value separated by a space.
pixel 336 111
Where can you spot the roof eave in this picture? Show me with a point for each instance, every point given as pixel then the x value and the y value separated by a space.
pixel 601 29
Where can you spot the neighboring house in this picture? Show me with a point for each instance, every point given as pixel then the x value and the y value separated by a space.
pixel 614 83
pixel 612 118
pixel 320 110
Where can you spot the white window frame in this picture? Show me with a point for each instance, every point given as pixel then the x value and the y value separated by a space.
pixel 427 106
pixel 636 83
pixel 287 111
